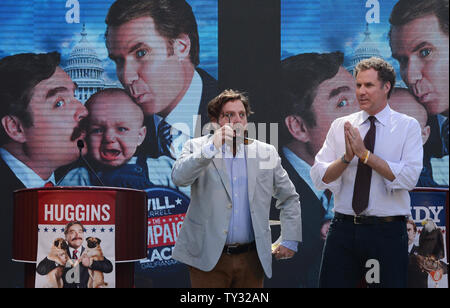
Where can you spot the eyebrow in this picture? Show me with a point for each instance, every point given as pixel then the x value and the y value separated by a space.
pixel 416 48
pixel 130 50
pixel 338 91
pixel 421 45
pixel 135 47
pixel 54 91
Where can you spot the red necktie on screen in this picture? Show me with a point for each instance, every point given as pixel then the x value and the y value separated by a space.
pixel 75 257
pixel 363 178
pixel 49 184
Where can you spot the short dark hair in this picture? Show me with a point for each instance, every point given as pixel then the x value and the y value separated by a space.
pixel 405 11
pixel 171 17
pixel 216 104
pixel 301 75
pixel 19 74
pixel 386 72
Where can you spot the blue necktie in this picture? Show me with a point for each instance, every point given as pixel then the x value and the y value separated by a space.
pixel 166 136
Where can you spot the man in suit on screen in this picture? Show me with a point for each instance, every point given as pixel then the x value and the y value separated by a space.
pixel 155 46
pixel 38 133
pixel 419 42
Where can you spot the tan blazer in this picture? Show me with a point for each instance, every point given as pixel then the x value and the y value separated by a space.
pixel 204 231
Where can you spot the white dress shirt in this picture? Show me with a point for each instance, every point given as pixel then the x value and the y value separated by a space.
pixel 25 174
pixel 398 141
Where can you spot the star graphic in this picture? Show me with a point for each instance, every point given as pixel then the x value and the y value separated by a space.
pixel 178 201
pixel 54 230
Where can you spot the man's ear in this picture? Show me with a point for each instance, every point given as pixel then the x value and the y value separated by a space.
pixel 141 136
pixel 387 87
pixel 182 47
pixel 297 128
pixel 14 128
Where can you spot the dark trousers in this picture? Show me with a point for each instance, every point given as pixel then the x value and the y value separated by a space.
pixel 356 255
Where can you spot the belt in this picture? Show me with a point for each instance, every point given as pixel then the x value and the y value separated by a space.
pixel 368 220
pixel 239 248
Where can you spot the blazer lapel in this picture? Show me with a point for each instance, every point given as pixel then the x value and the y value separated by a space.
pixel 223 173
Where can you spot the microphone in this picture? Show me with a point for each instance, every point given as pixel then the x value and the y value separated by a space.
pixel 246 139
pixel 80 145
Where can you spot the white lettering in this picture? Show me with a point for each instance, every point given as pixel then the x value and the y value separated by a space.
pixel 73 15
pixel 373 274
pixel 373 15
pixel 48 212
pixel 80 212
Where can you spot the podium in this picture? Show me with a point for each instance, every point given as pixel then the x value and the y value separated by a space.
pixel 130 228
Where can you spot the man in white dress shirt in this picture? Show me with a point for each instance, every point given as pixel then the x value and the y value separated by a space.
pixel 370 160
pixel 38 133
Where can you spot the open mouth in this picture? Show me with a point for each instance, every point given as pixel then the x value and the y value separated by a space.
pixel 110 154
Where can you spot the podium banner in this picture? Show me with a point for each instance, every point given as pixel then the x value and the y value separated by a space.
pixel 76 240
pixel 166 211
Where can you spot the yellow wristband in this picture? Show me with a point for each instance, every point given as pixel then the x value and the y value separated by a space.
pixel 367 157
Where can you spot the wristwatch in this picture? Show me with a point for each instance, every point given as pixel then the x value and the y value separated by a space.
pixel 344 160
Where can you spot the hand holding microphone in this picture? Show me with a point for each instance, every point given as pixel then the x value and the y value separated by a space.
pixel 223 135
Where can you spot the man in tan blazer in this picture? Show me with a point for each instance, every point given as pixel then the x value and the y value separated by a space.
pixel 225 238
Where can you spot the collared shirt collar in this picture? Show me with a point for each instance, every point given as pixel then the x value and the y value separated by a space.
pixel 383 116
pixel 79 250
pixel 25 174
pixel 226 151
pixel 186 111
pixel 303 169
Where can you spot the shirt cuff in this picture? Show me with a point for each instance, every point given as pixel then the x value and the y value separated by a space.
pixel 292 245
pixel 209 150
pixel 396 168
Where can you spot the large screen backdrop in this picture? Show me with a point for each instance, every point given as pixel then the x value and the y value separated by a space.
pixel 321 43
pixel 122 152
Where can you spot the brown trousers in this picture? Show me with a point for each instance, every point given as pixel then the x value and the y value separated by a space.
pixel 231 271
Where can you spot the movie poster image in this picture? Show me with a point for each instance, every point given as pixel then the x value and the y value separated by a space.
pixel 321 43
pixel 76 240
pixel 137 89
pixel 428 261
